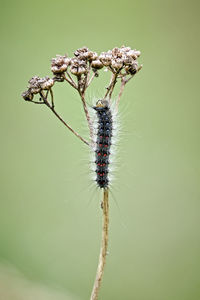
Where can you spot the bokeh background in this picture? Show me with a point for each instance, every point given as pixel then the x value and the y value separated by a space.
pixel 50 216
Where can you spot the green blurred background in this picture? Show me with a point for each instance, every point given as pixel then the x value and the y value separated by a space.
pixel 50 217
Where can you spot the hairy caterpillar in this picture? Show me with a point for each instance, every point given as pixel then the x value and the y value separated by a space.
pixel 103 142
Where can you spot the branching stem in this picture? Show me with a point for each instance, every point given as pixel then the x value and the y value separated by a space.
pixel 70 81
pixel 111 85
pixel 60 118
pixel 82 95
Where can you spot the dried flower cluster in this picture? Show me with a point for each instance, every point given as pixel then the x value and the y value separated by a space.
pixel 80 70
pixel 120 59
pixel 36 85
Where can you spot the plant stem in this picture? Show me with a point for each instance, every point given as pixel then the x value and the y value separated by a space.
pixel 123 82
pixel 82 95
pixel 69 127
pixel 60 118
pixel 111 85
pixel 104 247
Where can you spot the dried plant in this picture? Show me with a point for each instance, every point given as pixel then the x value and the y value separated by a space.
pixel 79 71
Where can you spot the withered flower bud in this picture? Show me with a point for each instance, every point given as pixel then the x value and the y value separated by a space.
pixel 59 64
pixel 34 85
pixel 46 83
pixel 77 70
pixel 117 63
pixel 92 56
pixel 105 58
pixel 127 60
pixel 117 53
pixel 125 49
pixel 80 51
pixel 27 95
pixel 97 64
pixel 132 54
pixel 137 53
pixel 132 69
pixel 78 67
pixel 85 54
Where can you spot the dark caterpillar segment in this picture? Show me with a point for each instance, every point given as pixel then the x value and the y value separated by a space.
pixel 103 142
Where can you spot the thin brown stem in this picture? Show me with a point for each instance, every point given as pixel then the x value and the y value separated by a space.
pixel 36 102
pixel 91 78
pixel 111 86
pixel 52 99
pixel 61 119
pixel 69 127
pixel 72 83
pixel 82 95
pixel 104 247
pixel 87 78
pixel 71 79
pixel 123 83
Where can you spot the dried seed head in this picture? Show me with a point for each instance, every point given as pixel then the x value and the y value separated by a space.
pixel 81 51
pixel 85 54
pixel 117 53
pixel 117 63
pixel 132 69
pixel 59 64
pixel 46 83
pixel 34 85
pixel 137 53
pixel 125 49
pixel 27 95
pixel 92 56
pixel 105 58
pixel 97 64
pixel 78 67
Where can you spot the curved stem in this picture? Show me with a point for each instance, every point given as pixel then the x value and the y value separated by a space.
pixel 69 127
pixel 60 118
pixel 104 247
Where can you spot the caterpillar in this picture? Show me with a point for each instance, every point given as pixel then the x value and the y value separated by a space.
pixel 103 142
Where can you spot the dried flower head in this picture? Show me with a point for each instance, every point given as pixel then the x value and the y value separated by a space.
pixel 97 64
pixel 59 64
pixel 105 58
pixel 46 83
pixel 34 85
pixel 85 54
pixel 78 67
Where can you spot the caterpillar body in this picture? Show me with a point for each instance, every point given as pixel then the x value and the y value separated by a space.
pixel 103 142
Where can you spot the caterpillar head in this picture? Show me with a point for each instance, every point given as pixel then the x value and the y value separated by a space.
pixel 101 104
